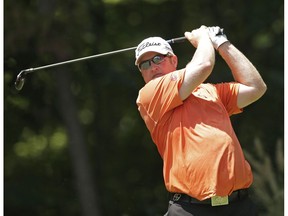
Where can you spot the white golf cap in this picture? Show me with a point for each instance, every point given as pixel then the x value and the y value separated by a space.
pixel 152 44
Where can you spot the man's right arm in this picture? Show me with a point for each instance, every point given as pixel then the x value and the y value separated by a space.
pixel 202 63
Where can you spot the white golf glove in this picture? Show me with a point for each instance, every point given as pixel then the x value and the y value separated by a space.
pixel 217 36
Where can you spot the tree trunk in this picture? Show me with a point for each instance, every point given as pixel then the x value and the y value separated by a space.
pixel 77 146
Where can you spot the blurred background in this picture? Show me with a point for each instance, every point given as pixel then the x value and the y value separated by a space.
pixel 74 142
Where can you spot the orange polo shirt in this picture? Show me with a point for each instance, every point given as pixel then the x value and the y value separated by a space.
pixel 201 154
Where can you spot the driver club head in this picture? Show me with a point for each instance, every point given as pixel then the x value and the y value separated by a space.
pixel 20 80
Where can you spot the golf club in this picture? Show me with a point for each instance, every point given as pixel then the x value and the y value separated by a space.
pixel 20 80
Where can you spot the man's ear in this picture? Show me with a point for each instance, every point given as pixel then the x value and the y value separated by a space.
pixel 175 60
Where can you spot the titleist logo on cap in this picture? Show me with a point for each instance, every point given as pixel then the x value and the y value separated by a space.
pixel 148 44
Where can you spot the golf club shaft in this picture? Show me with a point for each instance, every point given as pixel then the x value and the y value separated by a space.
pixel 21 76
pixel 30 70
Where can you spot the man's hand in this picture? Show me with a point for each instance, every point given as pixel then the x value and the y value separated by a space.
pixel 217 36
pixel 197 34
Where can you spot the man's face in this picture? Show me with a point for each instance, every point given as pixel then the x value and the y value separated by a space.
pixel 157 66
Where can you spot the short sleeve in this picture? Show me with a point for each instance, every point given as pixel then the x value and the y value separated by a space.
pixel 228 93
pixel 159 96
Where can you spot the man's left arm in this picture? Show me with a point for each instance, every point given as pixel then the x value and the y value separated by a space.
pixel 252 86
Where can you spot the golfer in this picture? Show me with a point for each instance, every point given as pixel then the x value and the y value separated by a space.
pixel 204 168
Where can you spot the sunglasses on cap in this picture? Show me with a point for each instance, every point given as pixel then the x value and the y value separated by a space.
pixel 157 59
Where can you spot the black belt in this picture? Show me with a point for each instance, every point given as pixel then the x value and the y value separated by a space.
pixel 235 196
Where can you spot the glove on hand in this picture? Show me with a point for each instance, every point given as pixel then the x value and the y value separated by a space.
pixel 217 36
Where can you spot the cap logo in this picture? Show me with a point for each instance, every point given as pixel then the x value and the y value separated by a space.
pixel 148 44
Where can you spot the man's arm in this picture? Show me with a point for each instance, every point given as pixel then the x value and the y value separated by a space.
pixel 202 63
pixel 252 85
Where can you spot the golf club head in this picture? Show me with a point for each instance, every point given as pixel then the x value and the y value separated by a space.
pixel 20 80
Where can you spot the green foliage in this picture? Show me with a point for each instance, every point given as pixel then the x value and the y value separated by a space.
pixel 268 178
pixel 39 172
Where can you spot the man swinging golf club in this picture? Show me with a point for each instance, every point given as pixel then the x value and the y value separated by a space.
pixel 204 167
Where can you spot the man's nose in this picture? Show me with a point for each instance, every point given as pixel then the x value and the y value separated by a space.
pixel 154 67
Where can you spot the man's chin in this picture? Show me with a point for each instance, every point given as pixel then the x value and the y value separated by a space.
pixel 157 76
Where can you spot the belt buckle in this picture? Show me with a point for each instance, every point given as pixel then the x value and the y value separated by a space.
pixel 176 197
